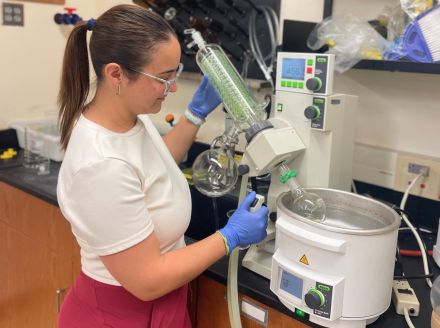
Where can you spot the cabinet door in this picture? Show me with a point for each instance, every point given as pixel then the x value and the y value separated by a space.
pixel 4 322
pixel 192 302
pixel 212 309
pixel 37 260
pixel 34 275
pixel 71 252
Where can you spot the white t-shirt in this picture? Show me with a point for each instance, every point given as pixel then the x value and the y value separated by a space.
pixel 116 188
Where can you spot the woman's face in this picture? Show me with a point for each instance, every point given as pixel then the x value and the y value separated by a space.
pixel 146 94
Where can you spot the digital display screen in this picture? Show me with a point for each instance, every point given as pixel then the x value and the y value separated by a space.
pixel 293 69
pixel 291 284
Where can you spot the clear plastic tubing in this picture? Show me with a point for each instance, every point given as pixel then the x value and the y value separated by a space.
pixel 237 99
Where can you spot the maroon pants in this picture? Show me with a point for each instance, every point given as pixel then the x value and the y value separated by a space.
pixel 91 303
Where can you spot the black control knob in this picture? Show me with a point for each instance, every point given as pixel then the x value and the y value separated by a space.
pixel 314 84
pixel 312 112
pixel 314 299
pixel 243 169
pixel 273 216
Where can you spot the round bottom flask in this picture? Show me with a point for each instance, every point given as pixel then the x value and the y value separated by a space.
pixel 214 172
pixel 308 205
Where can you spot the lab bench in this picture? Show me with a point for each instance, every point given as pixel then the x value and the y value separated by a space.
pixel 53 242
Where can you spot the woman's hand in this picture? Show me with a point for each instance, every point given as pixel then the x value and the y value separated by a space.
pixel 244 227
pixel 205 99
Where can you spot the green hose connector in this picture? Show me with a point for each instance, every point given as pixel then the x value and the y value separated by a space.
pixel 288 175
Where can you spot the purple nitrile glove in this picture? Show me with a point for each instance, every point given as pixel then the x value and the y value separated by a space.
pixel 205 99
pixel 244 227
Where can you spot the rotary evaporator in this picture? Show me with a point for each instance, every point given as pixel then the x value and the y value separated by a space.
pixel 338 269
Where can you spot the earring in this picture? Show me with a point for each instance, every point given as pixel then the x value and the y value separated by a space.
pixel 118 91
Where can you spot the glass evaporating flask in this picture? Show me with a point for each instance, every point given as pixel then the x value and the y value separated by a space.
pixel 306 204
pixel 215 170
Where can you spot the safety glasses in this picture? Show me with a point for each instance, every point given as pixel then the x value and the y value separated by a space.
pixel 168 83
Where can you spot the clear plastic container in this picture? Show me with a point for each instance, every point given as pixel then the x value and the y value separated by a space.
pixel 435 302
pixel 47 130
pixel 34 150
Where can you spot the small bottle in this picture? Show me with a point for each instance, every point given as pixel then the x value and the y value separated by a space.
pixel 32 148
pixel 435 302
pixel 306 204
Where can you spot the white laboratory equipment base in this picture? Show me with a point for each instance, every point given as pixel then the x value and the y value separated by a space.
pixel 339 271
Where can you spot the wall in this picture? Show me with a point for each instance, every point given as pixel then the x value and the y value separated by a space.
pixel 399 111
pixel 31 59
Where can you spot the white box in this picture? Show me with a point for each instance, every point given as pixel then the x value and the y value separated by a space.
pixel 45 130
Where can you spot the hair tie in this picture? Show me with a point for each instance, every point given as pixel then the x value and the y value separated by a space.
pixel 91 24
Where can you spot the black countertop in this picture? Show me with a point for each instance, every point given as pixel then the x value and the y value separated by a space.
pixel 42 186
pixel 249 283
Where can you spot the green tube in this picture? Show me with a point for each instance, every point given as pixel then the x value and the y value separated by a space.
pixel 236 97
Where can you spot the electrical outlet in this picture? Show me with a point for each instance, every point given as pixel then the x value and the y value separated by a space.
pixel 409 166
pixel 12 14
pixel 403 296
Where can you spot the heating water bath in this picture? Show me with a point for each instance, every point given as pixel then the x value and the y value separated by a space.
pixel 339 271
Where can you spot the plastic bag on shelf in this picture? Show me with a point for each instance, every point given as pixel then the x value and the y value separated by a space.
pixel 416 7
pixel 396 20
pixel 349 38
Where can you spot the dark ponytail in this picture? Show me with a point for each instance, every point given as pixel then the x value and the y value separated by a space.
pixel 75 81
pixel 125 34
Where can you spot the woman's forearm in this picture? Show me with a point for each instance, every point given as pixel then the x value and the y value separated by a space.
pixel 185 264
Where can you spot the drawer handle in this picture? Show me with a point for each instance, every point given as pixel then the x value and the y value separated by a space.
pixel 60 292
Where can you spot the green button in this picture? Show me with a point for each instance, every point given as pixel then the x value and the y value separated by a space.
pixel 283 83
pixel 322 60
pixel 326 288
pixel 295 84
pixel 301 85
pixel 309 62
pixel 289 84
pixel 300 313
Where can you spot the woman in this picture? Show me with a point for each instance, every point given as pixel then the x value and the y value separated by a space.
pixel 119 185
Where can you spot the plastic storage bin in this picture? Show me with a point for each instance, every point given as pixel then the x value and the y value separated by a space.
pixel 44 129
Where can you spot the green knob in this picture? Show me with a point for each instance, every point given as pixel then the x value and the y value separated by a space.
pixel 314 84
pixel 312 112
pixel 314 299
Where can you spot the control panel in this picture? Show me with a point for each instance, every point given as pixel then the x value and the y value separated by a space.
pixel 312 110
pixel 300 287
pixel 317 297
pixel 316 113
pixel 305 73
